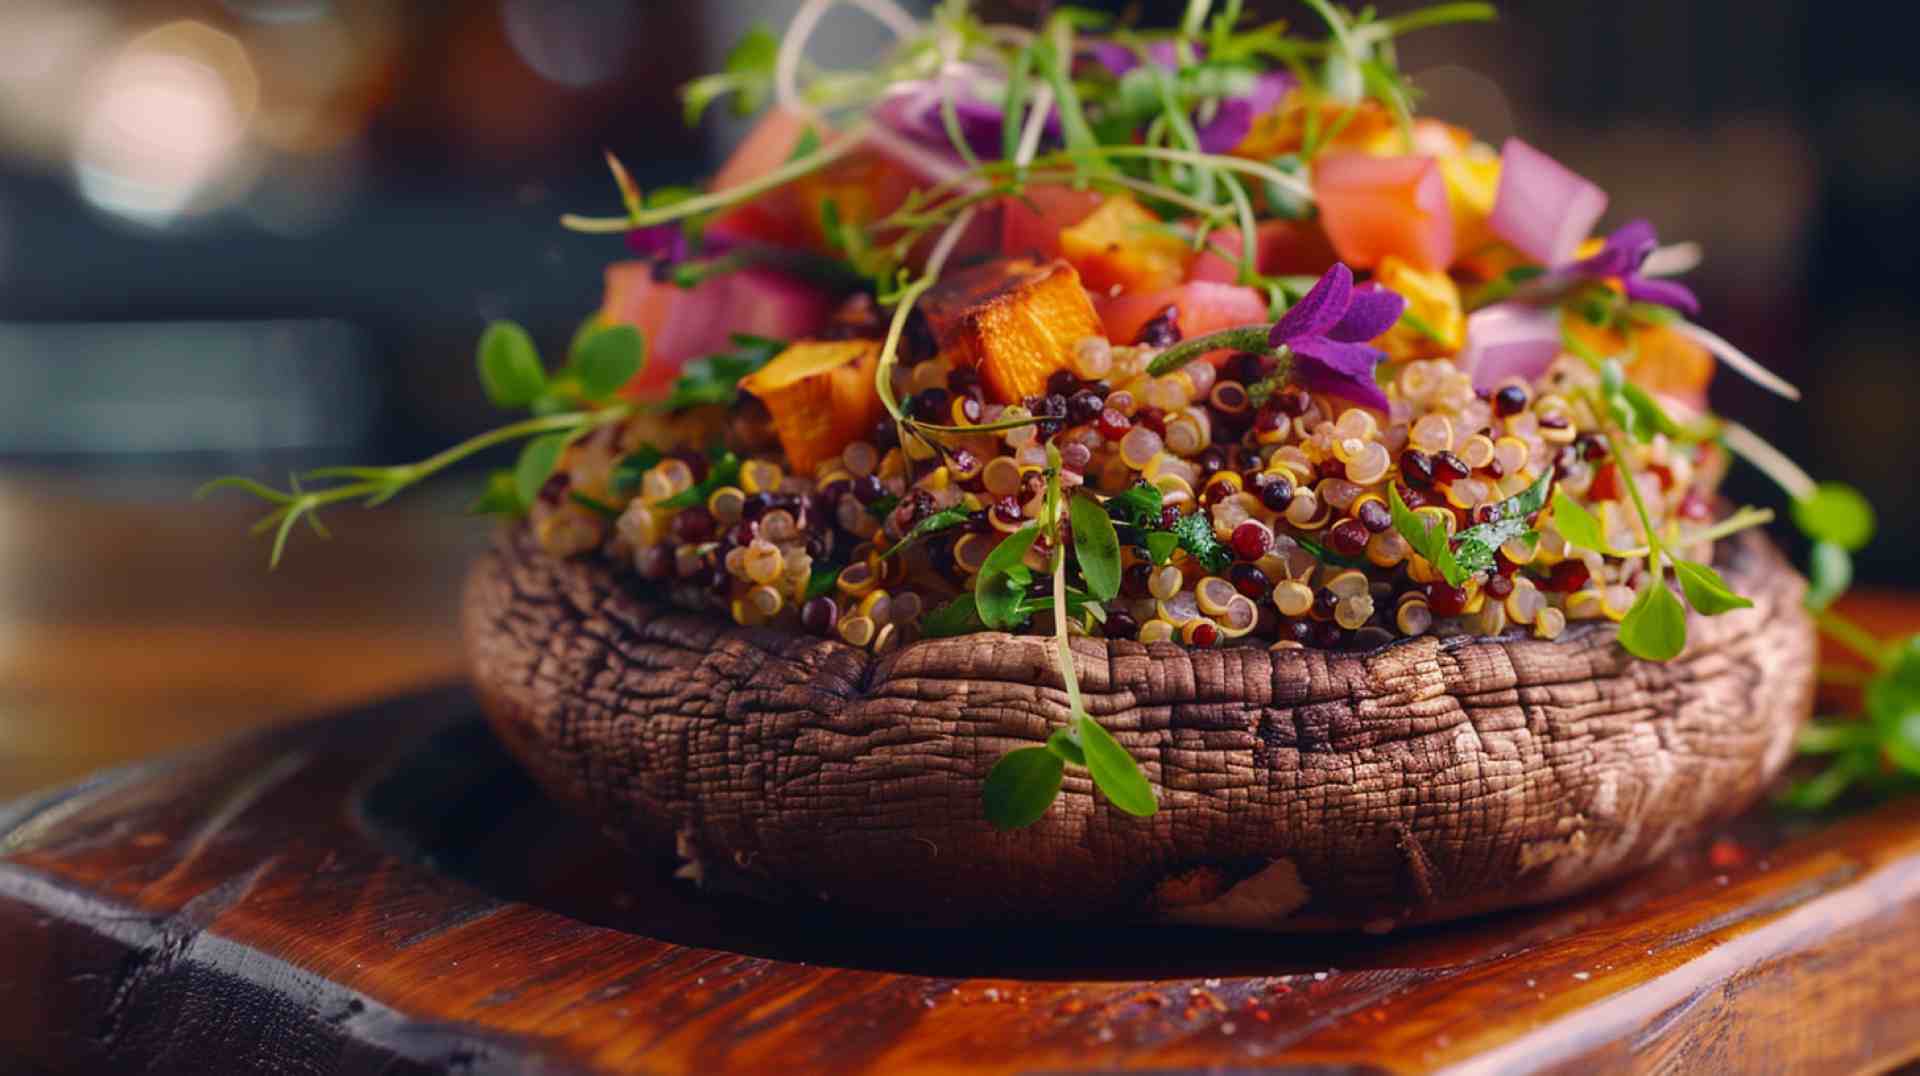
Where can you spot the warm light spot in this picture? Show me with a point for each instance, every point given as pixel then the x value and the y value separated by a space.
pixel 164 130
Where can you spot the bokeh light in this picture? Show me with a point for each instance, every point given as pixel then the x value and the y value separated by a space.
pixel 162 134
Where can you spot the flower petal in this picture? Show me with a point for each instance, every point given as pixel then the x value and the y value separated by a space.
pixel 1664 292
pixel 1234 118
pixel 1623 252
pixel 1118 59
pixel 1339 369
pixel 1318 310
pixel 1372 311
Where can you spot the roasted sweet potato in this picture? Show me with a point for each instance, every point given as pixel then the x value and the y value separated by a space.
pixel 1122 247
pixel 821 396
pixel 1015 320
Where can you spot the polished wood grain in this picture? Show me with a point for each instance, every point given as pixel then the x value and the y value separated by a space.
pixel 383 891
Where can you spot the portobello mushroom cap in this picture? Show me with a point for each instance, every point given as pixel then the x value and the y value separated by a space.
pixel 1299 789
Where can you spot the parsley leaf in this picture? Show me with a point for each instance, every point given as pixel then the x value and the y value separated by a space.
pixel 939 521
pixel 1427 537
pixel 715 379
pixel 1474 547
pixel 724 471
pixel 1194 533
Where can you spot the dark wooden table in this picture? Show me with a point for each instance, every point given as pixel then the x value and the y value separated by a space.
pixel 383 892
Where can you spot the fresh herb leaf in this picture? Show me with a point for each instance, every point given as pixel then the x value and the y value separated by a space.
pixel 715 379
pixel 748 76
pixel 1577 525
pixel 1194 532
pixel 633 467
pixel 933 524
pixel 510 370
pixel 499 498
pixel 821 580
pixel 1427 537
pixel 1706 591
pixel 1139 504
pixel 808 142
pixel 1327 556
pixel 537 461
pixel 1655 627
pixel 1114 771
pixel 958 617
pixel 724 471
pixel 594 505
pixel 1835 512
pixel 1474 547
pixel 1096 546
pixel 1649 417
pixel 607 359
pixel 1063 744
pixel 1000 589
pixel 1893 703
pixel 1021 786
pixel 883 504
pixel 1829 574
pixel 1160 546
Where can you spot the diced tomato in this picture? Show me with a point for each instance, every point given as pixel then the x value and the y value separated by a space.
pixel 685 323
pixel 1281 248
pixel 1606 484
pixel 1201 307
pixel 1030 225
pixel 1375 206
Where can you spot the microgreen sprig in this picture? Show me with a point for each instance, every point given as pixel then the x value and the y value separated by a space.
pixel 575 400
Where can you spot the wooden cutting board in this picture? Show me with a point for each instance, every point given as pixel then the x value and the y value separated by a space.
pixel 382 891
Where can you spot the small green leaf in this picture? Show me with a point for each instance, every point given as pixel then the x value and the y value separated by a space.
pixel 883 504
pixel 1160 546
pixel 1835 512
pixel 1655 628
pixel 1706 591
pixel 633 467
pixel 537 461
pixel 724 471
pixel 1474 547
pixel 1821 790
pixel 957 617
pixel 1893 703
pixel 821 580
pixel 1138 504
pixel 1021 786
pixel 510 369
pixel 1095 545
pixel 1114 771
pixel 607 359
pixel 1577 525
pixel 1063 744
pixel 807 143
pixel 1649 417
pixel 999 591
pixel 1427 537
pixel 942 520
pixel 499 498
pixel 1829 574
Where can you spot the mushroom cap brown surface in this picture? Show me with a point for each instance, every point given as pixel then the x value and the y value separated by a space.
pixel 1299 789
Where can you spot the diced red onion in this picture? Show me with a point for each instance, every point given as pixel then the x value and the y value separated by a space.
pixel 1510 340
pixel 1543 209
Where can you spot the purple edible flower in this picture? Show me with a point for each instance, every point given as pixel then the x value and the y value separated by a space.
pixel 1327 331
pixel 1624 252
pixel 1233 120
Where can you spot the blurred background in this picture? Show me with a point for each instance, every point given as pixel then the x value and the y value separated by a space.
pixel 260 235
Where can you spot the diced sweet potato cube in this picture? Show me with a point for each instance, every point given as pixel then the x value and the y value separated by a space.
pixel 821 396
pixel 1434 300
pixel 1335 125
pixel 1670 364
pixel 1014 320
pixel 1122 247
